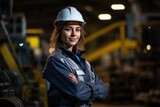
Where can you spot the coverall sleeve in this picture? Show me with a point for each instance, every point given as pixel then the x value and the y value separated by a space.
pixel 56 72
pixel 103 89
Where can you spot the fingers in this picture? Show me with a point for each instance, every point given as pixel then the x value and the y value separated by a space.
pixel 73 77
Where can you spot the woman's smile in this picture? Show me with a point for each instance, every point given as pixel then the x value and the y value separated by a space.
pixel 73 39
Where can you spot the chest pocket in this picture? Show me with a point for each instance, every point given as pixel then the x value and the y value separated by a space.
pixel 75 69
pixel 80 75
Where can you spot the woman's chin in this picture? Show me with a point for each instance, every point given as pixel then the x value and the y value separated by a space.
pixel 72 44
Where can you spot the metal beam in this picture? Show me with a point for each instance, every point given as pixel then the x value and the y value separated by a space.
pixel 108 48
pixel 9 59
pixel 103 51
pixel 103 31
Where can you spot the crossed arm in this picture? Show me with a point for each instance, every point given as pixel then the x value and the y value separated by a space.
pixel 73 77
pixel 58 74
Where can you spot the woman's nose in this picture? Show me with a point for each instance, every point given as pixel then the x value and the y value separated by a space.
pixel 73 32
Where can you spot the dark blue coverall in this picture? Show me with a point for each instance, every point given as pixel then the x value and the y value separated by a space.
pixel 62 90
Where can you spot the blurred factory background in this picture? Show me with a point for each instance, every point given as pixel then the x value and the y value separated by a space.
pixel 123 47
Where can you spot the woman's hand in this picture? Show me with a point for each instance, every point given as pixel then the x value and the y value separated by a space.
pixel 73 77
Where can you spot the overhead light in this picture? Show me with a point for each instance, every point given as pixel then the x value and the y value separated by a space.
pixel 104 16
pixel 20 44
pixel 117 6
pixel 148 47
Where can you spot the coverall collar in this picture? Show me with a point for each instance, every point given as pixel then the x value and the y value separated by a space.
pixel 65 51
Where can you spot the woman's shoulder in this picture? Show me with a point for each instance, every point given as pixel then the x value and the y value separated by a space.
pixel 55 55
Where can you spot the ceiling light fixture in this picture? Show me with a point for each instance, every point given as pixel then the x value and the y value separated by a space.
pixel 117 6
pixel 148 47
pixel 104 16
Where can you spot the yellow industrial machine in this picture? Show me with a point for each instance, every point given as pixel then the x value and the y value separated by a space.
pixel 133 80
pixel 122 43
pixel 20 79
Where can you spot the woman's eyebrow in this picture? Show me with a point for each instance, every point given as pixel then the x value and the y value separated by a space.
pixel 72 27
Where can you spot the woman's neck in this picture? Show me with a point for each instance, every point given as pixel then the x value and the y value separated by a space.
pixel 70 49
pixel 67 47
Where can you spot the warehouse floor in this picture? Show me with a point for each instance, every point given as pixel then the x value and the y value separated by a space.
pixel 116 105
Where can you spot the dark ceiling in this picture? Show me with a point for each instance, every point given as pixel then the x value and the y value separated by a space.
pixel 41 13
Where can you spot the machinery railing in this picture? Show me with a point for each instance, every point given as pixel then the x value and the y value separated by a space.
pixel 122 43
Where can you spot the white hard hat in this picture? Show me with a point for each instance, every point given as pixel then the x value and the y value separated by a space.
pixel 69 14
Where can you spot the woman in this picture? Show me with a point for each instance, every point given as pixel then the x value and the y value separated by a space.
pixel 71 81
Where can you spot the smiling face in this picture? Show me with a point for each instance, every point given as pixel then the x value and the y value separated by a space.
pixel 71 34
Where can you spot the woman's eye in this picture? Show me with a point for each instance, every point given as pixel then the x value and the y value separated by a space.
pixel 78 30
pixel 72 29
pixel 68 29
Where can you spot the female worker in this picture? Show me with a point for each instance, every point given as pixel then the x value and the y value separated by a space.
pixel 71 81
